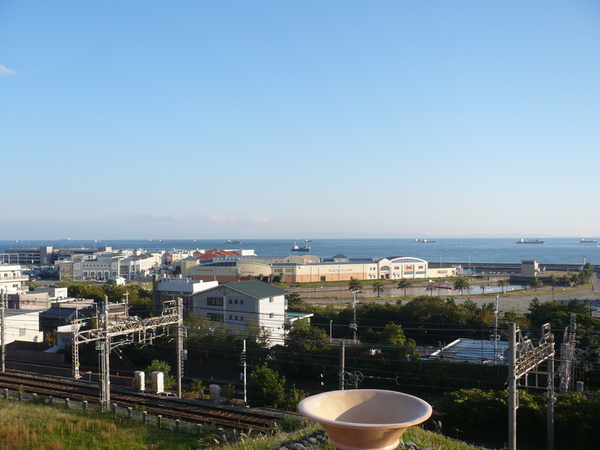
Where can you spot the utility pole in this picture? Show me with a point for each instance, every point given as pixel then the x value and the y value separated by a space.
pixel 512 386
pixel 567 356
pixel 342 364
pixel 179 306
pixel 496 337
pixel 550 405
pixel 243 361
pixel 524 357
pixel 105 355
pixel 138 330
pixel 3 328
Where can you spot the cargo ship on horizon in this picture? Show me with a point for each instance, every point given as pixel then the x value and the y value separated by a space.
pixel 526 241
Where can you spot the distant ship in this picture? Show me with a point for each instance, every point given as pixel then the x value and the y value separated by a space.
pixel 233 241
pixel 295 248
pixel 588 241
pixel 425 241
pixel 524 241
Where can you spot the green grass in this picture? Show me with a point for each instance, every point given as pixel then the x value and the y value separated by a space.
pixel 29 426
pixel 39 427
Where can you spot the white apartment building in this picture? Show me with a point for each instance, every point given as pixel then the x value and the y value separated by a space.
pixel 12 278
pixel 170 288
pixel 243 304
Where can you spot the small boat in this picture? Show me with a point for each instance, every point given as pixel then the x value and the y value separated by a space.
pixel 295 248
pixel 525 241
pixel 588 241
pixel 425 241
pixel 233 241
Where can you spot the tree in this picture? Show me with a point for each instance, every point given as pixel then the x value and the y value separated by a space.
pixel 535 283
pixel 303 338
pixel 354 284
pixel 461 284
pixel 586 272
pixel 553 281
pixel 404 284
pixel 227 392
pixel 198 387
pixel 292 399
pixel 503 283
pixel 266 388
pixel 378 287
pixel 431 287
pixel 294 300
pixel 161 366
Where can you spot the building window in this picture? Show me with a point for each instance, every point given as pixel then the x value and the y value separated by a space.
pixel 271 299
pixel 215 317
pixel 241 301
pixel 236 301
pixel 230 317
pixel 230 301
pixel 214 301
pixel 271 315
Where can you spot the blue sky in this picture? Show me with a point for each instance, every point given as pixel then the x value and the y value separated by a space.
pixel 201 119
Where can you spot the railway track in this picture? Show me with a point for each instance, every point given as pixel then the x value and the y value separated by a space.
pixel 173 408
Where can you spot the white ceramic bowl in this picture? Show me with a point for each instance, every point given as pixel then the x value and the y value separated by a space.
pixel 361 419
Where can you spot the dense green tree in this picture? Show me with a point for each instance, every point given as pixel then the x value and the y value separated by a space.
pixel 86 290
pixel 164 367
pixel 266 388
pixel 303 338
pixel 576 417
pixel 391 334
pixel 294 300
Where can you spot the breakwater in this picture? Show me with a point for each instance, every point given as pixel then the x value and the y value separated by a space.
pixel 507 268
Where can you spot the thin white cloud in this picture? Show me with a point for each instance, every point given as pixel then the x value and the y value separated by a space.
pixel 6 71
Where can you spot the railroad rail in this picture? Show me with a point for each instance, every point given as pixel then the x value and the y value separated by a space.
pixel 174 408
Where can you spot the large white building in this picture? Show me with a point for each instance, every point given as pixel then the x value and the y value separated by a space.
pixel 310 269
pixel 244 304
pixel 131 265
pixel 12 278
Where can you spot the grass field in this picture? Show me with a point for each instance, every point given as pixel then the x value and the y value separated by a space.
pixel 29 426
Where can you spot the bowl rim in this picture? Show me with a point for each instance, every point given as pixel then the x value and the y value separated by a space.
pixel 418 419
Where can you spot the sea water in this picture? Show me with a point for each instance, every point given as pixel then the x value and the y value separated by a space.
pixel 446 250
